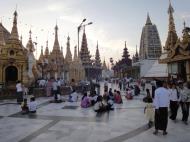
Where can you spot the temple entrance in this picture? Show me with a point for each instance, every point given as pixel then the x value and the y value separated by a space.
pixel 11 74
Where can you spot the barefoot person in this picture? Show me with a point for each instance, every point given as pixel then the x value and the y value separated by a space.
pixel 161 103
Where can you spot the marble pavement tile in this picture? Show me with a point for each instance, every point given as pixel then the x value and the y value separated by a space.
pixel 15 129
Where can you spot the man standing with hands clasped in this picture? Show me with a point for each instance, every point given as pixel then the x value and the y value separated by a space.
pixel 161 103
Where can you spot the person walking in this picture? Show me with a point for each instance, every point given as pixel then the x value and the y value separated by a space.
pixel 161 103
pixel 174 101
pixel 55 89
pixel 19 92
pixel 185 101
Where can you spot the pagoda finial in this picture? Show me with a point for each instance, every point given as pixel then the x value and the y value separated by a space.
pixel 184 24
pixel 56 42
pixel 30 33
pixel 170 9
pixel 125 44
pixel 97 44
pixel 14 32
pixel 172 35
pixel 41 50
pixel 148 21
pixel 47 49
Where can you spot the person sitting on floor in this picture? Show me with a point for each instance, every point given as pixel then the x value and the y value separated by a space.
pixel 59 100
pixel 24 107
pixel 85 102
pixel 99 106
pixel 73 97
pixel 129 94
pixel 93 98
pixel 118 98
pixel 110 103
pixel 32 105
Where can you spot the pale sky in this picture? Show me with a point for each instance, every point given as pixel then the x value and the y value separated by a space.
pixel 114 21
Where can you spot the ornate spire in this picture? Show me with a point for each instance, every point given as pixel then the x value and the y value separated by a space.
pixel 30 45
pixel 125 52
pixel 2 40
pixel 68 56
pixel 97 57
pixel 75 54
pixel 104 65
pixel 41 54
pixel 47 49
pixel 14 32
pixel 84 53
pixel 172 35
pixel 136 54
pixel 30 34
pixel 56 42
pixel 148 21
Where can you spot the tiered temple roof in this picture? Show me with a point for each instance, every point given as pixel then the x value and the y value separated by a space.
pixel 125 61
pixel 97 57
pixel 68 56
pixel 84 53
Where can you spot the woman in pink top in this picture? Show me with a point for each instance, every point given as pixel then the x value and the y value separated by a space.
pixel 85 102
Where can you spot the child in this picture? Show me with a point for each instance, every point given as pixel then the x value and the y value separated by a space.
pixel 24 107
pixel 32 105
pixel 149 108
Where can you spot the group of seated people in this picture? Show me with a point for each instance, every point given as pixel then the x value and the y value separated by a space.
pixel 29 108
pixel 100 103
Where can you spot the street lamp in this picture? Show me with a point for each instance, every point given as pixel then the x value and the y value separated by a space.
pixel 78 29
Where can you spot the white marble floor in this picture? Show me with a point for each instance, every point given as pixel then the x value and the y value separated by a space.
pixel 52 123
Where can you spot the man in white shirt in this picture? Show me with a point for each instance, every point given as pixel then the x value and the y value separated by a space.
pixel 19 92
pixel 161 103
pixel 174 101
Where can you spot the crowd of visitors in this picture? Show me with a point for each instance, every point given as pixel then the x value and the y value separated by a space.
pixel 160 104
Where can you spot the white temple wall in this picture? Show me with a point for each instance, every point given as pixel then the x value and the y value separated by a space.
pixel 145 66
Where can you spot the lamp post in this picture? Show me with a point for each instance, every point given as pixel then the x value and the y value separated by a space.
pixel 78 30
